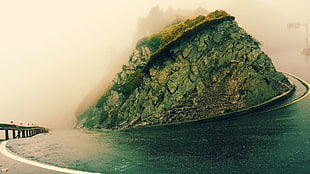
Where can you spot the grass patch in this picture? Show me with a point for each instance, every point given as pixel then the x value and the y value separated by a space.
pixel 173 34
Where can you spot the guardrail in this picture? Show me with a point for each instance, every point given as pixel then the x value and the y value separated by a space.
pixel 21 131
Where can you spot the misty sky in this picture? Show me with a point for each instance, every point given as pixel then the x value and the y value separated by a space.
pixel 54 52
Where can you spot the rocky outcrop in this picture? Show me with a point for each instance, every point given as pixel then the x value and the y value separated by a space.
pixel 212 68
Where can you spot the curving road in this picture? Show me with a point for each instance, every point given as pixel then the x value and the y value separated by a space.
pixel 277 141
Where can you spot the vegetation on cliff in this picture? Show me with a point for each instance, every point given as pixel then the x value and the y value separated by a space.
pixel 191 70
pixel 163 40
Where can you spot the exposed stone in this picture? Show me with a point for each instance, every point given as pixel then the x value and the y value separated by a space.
pixel 187 50
pixel 218 36
pixel 217 70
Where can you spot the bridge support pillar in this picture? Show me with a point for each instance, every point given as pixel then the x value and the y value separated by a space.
pixel 18 133
pixel 23 134
pixel 13 133
pixel 7 134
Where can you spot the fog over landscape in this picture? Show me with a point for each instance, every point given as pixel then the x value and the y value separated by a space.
pixel 54 55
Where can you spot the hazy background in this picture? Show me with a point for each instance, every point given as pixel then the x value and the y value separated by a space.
pixel 54 53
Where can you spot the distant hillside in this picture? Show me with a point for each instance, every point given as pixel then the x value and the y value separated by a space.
pixel 191 70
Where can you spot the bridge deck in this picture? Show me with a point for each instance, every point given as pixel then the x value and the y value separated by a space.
pixel 4 126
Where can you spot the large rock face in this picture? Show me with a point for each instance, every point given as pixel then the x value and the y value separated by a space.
pixel 212 68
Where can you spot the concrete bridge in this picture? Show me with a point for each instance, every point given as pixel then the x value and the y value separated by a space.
pixel 19 131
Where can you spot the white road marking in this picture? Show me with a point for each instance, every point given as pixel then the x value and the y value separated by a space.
pixel 5 152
